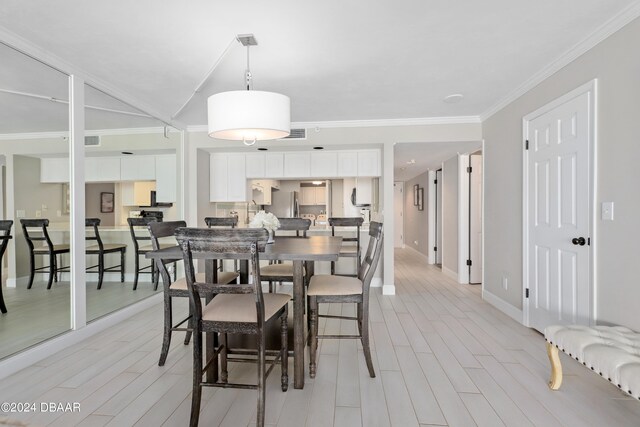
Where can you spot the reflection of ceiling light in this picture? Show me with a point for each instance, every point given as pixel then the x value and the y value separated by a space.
pixel 453 99
pixel 316 182
pixel 249 115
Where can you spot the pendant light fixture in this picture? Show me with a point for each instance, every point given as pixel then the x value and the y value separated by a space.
pixel 249 115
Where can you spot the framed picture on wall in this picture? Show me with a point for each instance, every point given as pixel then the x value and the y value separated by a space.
pixel 106 202
pixel 415 194
pixel 420 199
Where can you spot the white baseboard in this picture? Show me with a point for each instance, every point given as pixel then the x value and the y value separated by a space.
pixel 388 290
pixel 417 252
pixel 26 358
pixel 503 306
pixel 450 273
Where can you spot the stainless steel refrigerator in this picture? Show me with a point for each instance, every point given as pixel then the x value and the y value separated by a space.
pixel 284 204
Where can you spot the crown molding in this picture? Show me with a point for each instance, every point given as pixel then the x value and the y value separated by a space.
pixel 371 123
pixel 101 132
pixel 601 33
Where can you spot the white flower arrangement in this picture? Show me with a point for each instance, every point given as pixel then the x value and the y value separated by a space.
pixel 266 220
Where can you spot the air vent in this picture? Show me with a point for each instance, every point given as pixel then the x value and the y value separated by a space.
pixel 91 141
pixel 297 134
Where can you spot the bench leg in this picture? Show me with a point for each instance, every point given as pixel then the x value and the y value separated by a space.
pixel 556 367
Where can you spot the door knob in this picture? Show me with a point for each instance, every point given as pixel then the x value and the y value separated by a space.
pixel 578 241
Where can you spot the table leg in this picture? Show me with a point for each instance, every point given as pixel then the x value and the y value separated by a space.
pixel 211 337
pixel 298 325
pixel 309 271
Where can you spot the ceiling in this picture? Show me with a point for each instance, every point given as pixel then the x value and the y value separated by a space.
pixel 337 60
pixel 412 159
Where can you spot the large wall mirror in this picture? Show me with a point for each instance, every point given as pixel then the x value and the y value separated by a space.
pixel 132 177
pixel 35 203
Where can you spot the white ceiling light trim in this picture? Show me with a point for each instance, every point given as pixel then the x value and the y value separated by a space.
pixel 602 32
pixel 248 115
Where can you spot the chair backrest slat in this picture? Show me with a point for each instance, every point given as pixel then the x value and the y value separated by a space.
pixel 226 221
pixel 372 255
pixel 295 224
pixel 221 244
pixel 94 223
pixel 139 222
pixel 5 228
pixel 157 231
pixel 42 225
pixel 356 222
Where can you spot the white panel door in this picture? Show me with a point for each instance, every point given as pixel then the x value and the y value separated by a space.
pixel 438 209
pixel 398 214
pixel 558 214
pixel 475 219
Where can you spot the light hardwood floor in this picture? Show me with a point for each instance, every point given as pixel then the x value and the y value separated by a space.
pixel 442 357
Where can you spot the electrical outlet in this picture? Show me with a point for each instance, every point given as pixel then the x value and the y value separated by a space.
pixel 44 208
pixel 505 283
pixel 20 214
pixel 59 212
pixel 38 214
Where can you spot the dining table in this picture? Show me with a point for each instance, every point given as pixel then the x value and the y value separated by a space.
pixel 303 252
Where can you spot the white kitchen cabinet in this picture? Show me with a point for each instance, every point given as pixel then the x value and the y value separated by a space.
pixel 274 165
pixel 348 164
pixel 364 191
pixel 313 196
pixel 297 165
pixel 324 164
pixel 369 163
pixel 228 179
pixel 261 190
pixel 54 170
pixel 138 168
pixel 166 177
pixel 255 165
pixel 137 193
pixel 102 169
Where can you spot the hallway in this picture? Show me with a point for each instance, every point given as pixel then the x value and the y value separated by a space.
pixel 442 357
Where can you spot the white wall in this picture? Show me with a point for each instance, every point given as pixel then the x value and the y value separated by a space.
pixel 616 65
pixel 416 230
pixel 450 217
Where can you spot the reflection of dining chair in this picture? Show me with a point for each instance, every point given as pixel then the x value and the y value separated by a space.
pixel 178 288
pixel 236 309
pixel 283 272
pixel 142 250
pixel 325 288
pixel 348 250
pixel 101 249
pixel 5 230
pixel 49 249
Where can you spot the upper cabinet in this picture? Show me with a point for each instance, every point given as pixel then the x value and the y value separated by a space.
pixel 369 163
pixel 255 164
pixel 228 178
pixel 348 164
pixel 102 169
pixel 54 170
pixel 274 165
pixel 166 178
pixel 138 168
pixel 297 165
pixel 324 164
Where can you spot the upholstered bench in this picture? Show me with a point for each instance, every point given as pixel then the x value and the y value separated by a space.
pixel 611 351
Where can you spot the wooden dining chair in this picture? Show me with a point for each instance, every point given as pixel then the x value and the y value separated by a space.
pixel 101 249
pixel 177 288
pixel 223 222
pixel 236 309
pixel 140 248
pixel 283 271
pixel 39 234
pixel 343 289
pixel 350 250
pixel 5 236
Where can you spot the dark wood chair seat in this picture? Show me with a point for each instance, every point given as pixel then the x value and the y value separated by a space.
pixel 107 247
pixel 235 309
pixel 38 235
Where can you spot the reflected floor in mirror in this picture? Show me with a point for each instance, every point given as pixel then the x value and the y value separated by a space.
pixel 37 314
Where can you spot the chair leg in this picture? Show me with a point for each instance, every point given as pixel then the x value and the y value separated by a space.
pixel 122 262
pixel 359 315
pixel 333 267
pixel 137 270
pixel 155 276
pixel 224 371
pixel 284 352
pixel 261 380
pixel 196 393
pixel 55 268
pixel 100 269
pixel 52 269
pixel 32 271
pixel 365 340
pixel 166 336
pixel 270 286
pixel 175 271
pixel 187 335
pixel 3 307
pixel 313 312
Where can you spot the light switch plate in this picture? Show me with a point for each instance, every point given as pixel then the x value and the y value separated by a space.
pixel 607 211
pixel 20 214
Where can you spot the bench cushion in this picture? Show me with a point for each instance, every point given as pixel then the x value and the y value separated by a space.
pixel 611 351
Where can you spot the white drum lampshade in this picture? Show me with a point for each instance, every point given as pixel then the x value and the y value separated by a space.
pixel 249 115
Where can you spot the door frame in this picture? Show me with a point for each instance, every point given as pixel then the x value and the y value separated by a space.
pixel 431 216
pixel 397 228
pixel 590 88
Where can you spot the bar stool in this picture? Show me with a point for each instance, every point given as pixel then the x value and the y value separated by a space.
pixel 349 250
pixel 283 272
pixel 5 229
pixel 223 222
pixel 49 249
pixel 142 250
pixel 101 249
